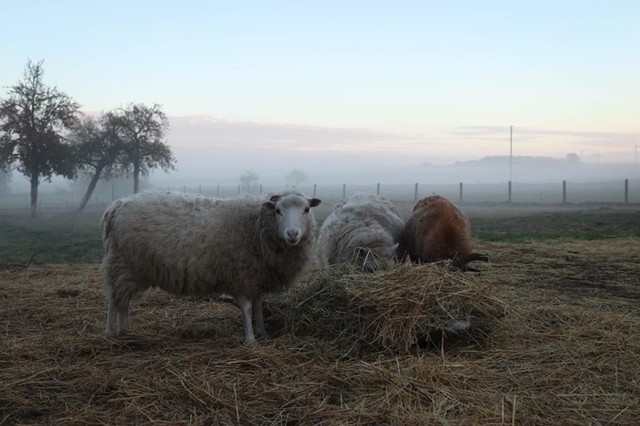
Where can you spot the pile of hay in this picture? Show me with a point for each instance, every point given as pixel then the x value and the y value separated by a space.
pixel 396 310
pixel 566 353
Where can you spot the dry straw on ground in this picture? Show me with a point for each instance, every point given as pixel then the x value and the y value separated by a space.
pixel 396 310
pixel 565 353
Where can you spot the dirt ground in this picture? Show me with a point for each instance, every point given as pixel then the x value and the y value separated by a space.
pixel 565 352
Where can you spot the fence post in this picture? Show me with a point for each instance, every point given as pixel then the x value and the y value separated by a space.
pixel 378 188
pixel 238 189
pixel 113 192
pixel 218 191
pixel 184 189
pixel 344 191
pixel 200 189
pixel 564 192
pixel 626 191
pixel 509 191
pixel 415 192
pixel 260 189
pixel 460 192
pixel 315 186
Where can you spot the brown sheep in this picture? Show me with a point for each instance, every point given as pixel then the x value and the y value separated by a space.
pixel 438 230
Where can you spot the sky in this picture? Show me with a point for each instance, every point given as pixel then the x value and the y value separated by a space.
pixel 336 85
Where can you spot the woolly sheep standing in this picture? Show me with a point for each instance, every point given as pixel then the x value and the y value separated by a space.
pixel 363 230
pixel 438 230
pixel 188 244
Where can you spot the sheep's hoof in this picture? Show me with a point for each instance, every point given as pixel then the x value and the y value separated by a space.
pixel 113 334
pixel 457 326
pixel 225 298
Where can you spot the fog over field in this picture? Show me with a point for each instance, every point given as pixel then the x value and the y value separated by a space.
pixel 352 92
pixel 212 152
pixel 218 151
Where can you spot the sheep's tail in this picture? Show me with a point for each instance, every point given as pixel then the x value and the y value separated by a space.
pixel 107 222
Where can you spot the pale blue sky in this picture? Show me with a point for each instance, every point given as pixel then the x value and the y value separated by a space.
pixel 441 80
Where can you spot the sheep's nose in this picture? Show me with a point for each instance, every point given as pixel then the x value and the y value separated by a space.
pixel 293 237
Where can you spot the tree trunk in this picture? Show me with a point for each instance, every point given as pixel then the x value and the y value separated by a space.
pixel 136 178
pixel 92 186
pixel 34 195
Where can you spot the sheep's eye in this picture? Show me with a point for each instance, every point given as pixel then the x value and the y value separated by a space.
pixel 306 210
pixel 278 211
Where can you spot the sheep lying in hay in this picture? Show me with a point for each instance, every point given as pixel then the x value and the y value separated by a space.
pixel 363 230
pixel 187 244
pixel 399 310
pixel 438 230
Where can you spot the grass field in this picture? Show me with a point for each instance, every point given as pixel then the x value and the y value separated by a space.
pixel 75 238
pixel 565 350
pixel 59 238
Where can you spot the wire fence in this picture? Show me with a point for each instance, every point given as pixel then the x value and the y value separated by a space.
pixel 620 192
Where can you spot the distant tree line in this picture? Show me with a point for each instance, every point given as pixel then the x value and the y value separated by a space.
pixel 43 133
pixel 249 180
pixel 522 160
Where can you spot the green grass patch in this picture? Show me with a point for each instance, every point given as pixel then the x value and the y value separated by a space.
pixel 75 238
pixel 542 237
pixel 63 238
pixel 584 226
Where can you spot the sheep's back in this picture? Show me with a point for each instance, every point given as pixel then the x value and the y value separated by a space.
pixel 362 221
pixel 182 243
pixel 438 231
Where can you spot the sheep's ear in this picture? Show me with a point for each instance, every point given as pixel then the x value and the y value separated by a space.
pixel 314 202
pixel 274 198
pixel 269 205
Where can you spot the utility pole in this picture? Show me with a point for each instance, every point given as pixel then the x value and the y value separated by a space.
pixel 510 152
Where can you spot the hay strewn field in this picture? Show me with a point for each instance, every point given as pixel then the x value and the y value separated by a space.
pixel 566 351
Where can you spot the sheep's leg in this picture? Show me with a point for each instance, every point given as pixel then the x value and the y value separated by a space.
pixel 259 316
pixel 123 317
pixel 117 317
pixel 245 306
pixel 112 317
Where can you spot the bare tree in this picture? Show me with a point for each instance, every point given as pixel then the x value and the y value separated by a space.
pixel 249 182
pixel 98 148
pixel 33 122
pixel 572 158
pixel 296 177
pixel 143 132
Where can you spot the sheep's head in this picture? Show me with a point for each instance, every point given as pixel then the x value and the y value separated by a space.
pixel 292 215
pixel 375 257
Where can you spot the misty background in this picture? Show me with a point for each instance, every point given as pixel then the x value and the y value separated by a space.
pixel 355 93
pixel 212 152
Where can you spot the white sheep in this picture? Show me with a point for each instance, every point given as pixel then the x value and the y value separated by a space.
pixel 363 230
pixel 189 244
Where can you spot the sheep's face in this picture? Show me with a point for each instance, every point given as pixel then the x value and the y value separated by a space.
pixel 376 257
pixel 292 214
